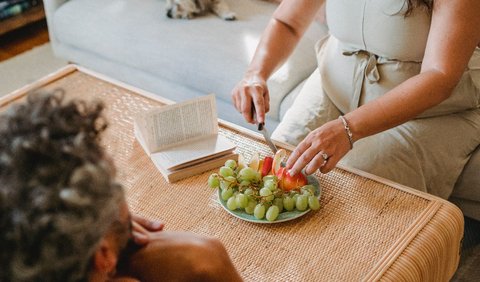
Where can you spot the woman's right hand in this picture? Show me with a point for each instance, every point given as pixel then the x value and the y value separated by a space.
pixel 289 22
pixel 252 91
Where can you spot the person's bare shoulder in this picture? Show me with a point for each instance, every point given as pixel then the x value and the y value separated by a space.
pixel 181 256
pixel 125 279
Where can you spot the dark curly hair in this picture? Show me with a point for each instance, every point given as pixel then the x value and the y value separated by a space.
pixel 57 194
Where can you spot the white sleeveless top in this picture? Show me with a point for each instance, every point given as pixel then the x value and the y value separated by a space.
pixel 373 47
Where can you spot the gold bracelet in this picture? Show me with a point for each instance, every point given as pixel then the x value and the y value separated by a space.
pixel 347 130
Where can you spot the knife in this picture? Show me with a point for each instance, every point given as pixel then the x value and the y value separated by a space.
pixel 263 129
pixel 266 135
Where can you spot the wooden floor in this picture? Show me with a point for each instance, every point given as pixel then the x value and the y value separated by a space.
pixel 23 39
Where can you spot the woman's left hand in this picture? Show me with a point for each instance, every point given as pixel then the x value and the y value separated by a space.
pixel 321 149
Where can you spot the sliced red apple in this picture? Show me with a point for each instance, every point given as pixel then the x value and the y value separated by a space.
pixel 266 166
pixel 288 182
pixel 277 160
pixel 294 182
pixel 280 173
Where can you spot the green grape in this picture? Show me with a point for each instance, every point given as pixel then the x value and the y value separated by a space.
pixel 250 206
pixel 258 176
pixel 248 192
pixel 242 200
pixel 247 173
pixel 272 213
pixel 244 183
pixel 231 164
pixel 279 203
pixel 308 190
pixel 232 204
pixel 226 194
pixel 270 184
pixel 313 203
pixel 231 179
pixel 270 177
pixel 213 181
pixel 224 185
pixel 288 203
pixel 225 171
pixel 294 197
pixel 265 192
pixel 302 203
pixel 259 211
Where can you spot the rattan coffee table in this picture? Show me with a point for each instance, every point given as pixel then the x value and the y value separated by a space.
pixel 367 228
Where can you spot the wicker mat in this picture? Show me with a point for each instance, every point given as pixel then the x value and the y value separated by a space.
pixel 363 228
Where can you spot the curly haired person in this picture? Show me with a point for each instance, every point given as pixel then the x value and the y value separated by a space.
pixel 64 218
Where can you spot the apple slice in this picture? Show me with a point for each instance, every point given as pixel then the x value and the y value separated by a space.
pixel 278 159
pixel 254 162
pixel 260 165
pixel 266 166
pixel 241 162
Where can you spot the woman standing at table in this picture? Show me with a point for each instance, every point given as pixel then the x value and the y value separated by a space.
pixel 399 78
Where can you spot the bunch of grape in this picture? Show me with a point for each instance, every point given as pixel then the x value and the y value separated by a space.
pixel 244 188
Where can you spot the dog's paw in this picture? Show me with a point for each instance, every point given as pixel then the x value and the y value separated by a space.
pixel 188 16
pixel 230 16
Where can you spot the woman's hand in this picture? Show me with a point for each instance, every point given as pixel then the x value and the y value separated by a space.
pixel 321 149
pixel 252 91
pixel 143 229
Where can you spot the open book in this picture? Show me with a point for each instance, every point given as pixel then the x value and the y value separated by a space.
pixel 182 139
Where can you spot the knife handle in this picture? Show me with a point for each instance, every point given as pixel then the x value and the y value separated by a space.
pixel 260 125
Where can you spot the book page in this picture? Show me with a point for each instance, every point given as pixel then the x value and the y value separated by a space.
pixel 180 123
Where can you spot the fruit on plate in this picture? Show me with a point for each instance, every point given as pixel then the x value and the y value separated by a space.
pixel 254 162
pixel 278 159
pixel 266 166
pixel 241 162
pixel 259 192
pixel 263 166
pixel 289 182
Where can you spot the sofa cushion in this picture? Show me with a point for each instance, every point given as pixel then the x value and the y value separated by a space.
pixel 206 54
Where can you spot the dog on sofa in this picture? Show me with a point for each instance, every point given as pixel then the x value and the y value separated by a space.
pixel 188 9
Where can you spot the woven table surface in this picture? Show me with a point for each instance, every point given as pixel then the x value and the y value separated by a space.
pixel 353 236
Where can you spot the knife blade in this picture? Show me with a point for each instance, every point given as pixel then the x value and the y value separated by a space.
pixel 263 130
pixel 266 135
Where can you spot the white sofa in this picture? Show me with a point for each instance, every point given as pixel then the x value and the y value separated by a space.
pixel 133 41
